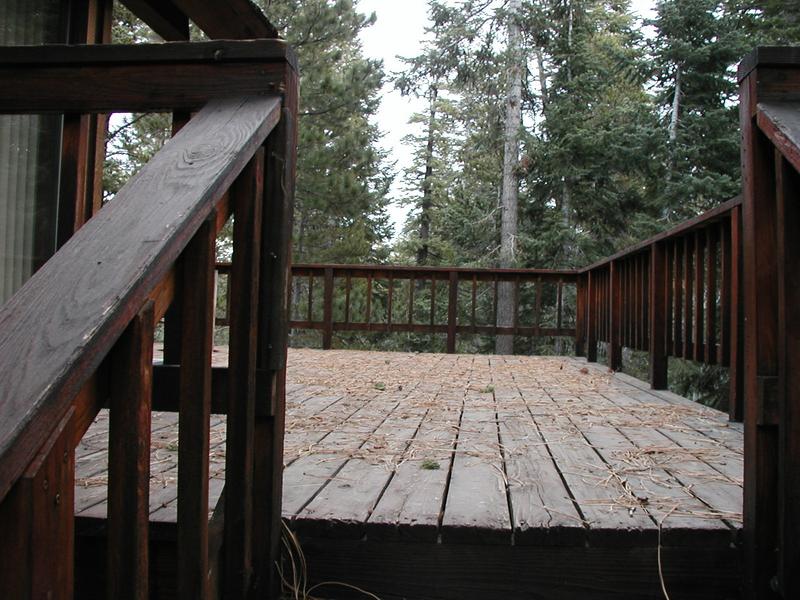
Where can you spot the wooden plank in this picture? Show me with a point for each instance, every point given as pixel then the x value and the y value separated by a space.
pixel 477 506
pixel 615 317
pixel 591 317
pixel 247 196
pixel 195 412
pixel 736 362
pixel 129 459
pixel 411 506
pixel 327 310
pixel 779 121
pixel 120 255
pixel 677 332
pixel 542 510
pixel 234 19
pixel 343 505
pixel 689 264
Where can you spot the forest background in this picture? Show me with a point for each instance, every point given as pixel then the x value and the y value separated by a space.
pixel 555 132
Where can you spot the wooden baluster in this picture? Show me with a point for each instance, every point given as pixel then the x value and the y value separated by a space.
pixel 559 304
pixel 474 299
pixel 515 313
pixel 642 265
pixel 129 459
pixel 699 294
pixel 591 317
pixel 309 311
pixel 688 264
pixel 327 310
pixel 669 291
pixel 538 307
pixel 723 355
pixel 659 300
pixel 412 282
pixel 677 336
pixel 195 408
pixel 389 303
pixel 580 315
pixel 369 301
pixel 433 299
pixel 494 305
pixel 452 312
pixel 736 322
pixel 347 299
pixel 711 296
pixel 247 197
pixel 615 310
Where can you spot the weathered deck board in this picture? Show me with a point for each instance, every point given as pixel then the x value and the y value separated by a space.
pixel 484 461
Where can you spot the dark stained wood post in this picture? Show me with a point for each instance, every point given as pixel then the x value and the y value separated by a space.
pixel 759 225
pixel 37 515
pixel 592 299
pixel 580 314
pixel 273 334
pixel 243 286
pixel 615 312
pixel 452 312
pixel 788 218
pixel 195 411
pixel 327 310
pixel 129 459
pixel 659 291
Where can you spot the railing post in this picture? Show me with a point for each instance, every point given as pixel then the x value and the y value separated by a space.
pixel 591 320
pixel 273 325
pixel 762 496
pixel 452 307
pixel 615 310
pixel 659 289
pixel 327 310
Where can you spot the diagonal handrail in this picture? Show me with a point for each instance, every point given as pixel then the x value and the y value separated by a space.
pixel 56 330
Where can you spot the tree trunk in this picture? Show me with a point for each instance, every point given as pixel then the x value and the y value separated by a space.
pixel 506 297
pixel 427 185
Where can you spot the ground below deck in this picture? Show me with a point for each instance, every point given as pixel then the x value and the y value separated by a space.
pixel 462 476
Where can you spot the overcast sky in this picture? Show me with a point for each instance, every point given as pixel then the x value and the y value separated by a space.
pixel 399 31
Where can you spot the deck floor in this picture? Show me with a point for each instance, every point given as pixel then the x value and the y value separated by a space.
pixel 476 451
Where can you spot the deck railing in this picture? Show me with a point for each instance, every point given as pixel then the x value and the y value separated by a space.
pixel 78 335
pixel 676 294
pixel 427 300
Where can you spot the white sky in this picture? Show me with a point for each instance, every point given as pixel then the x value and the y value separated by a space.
pixel 398 31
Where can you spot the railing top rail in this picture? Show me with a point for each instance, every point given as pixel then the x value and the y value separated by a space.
pixel 58 327
pixel 463 272
pixel 685 227
pixel 769 56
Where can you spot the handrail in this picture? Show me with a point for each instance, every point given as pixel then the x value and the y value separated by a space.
pixel 66 318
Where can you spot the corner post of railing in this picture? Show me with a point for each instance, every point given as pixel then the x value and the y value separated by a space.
pixel 592 299
pixel 615 314
pixel 658 290
pixel 452 312
pixel 273 326
pixel 327 310
pixel 580 314
pixel 768 78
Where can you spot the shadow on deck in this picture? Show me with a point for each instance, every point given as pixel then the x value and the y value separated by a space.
pixel 461 476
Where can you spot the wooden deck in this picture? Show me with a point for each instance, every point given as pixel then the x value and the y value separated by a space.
pixel 461 476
